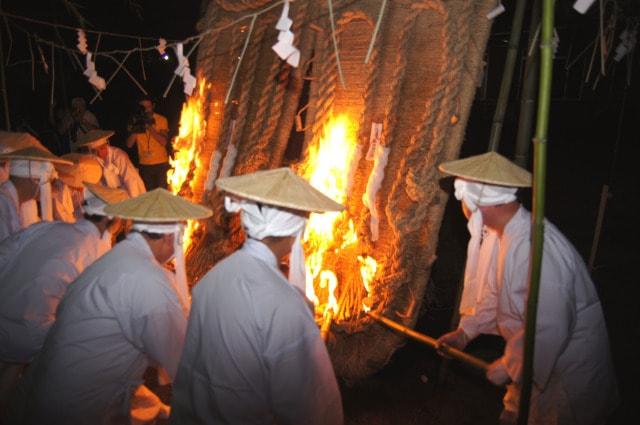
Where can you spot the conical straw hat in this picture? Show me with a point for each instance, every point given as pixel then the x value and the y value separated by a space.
pixel 158 206
pixel 85 168
pixel 491 168
pixel 93 138
pixel 10 141
pixel 281 188
pixel 35 154
pixel 106 194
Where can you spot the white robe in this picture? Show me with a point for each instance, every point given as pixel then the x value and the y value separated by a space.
pixel 36 266
pixel 253 353
pixel 120 314
pixel 574 382
pixel 9 210
pixel 119 172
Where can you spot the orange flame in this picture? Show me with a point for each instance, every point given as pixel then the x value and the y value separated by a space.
pixel 186 163
pixel 332 234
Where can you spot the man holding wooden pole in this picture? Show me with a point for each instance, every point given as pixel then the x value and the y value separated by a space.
pixel 573 376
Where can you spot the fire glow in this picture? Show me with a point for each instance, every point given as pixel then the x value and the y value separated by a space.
pixel 331 238
pixel 186 164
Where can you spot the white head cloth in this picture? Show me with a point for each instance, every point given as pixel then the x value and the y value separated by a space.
pixel 474 195
pixel 92 204
pixel 177 229
pixel 262 221
pixel 44 172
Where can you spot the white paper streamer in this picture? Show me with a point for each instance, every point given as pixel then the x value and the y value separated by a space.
pixel 284 48
pixel 82 42
pixel 374 140
pixel 214 164
pixel 229 160
pixel 373 185
pixel 583 5
pixel 184 71
pixel 496 11
pixel 91 73
pixel 162 46
pixel 628 39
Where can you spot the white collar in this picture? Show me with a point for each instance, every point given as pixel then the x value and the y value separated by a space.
pixel 260 251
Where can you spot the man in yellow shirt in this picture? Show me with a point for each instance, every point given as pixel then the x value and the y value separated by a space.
pixel 151 136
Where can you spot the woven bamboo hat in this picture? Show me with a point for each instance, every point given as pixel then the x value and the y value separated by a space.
pixel 281 188
pixel 158 206
pixel 93 138
pixel 35 154
pixel 106 194
pixel 10 141
pixel 85 168
pixel 491 168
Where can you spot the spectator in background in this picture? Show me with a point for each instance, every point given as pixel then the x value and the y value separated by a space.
pixel 150 132
pixel 75 123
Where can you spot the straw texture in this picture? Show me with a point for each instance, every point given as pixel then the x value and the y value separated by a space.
pixel 10 141
pixel 94 138
pixel 35 154
pixel 279 187
pixel 491 168
pixel 158 206
pixel 106 194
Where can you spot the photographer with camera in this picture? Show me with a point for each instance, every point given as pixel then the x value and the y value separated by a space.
pixel 150 132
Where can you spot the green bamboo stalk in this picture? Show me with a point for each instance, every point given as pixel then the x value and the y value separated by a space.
pixel 507 75
pixel 528 98
pixel 539 188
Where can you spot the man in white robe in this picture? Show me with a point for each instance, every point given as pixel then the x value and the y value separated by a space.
pixel 573 378
pixel 68 189
pixel 253 353
pixel 37 265
pixel 30 173
pixel 121 314
pixel 117 169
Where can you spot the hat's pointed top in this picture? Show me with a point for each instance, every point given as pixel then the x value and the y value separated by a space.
pixel 35 154
pixel 158 206
pixel 280 187
pixel 93 138
pixel 106 194
pixel 490 167
pixel 11 141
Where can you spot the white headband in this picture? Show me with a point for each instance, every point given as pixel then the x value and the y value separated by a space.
pixel 477 195
pixel 163 228
pixel 264 220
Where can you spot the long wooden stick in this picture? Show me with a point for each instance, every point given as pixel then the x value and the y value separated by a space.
pixel 431 342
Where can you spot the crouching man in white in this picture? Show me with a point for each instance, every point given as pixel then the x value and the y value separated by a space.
pixel 119 315
pixel 37 265
pixel 573 377
pixel 253 353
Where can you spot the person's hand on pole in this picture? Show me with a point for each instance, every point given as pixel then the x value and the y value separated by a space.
pixel 455 339
pixel 497 373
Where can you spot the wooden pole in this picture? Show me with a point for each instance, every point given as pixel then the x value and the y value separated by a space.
pixel 507 76
pixel 3 84
pixel 539 188
pixel 431 342
pixel 528 99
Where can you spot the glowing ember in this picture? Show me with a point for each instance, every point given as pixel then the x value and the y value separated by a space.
pixel 331 237
pixel 186 163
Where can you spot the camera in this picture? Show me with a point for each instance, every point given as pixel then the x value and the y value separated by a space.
pixel 140 120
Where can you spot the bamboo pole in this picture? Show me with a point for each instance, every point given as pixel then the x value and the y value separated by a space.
pixel 431 342
pixel 3 84
pixel 528 100
pixel 507 76
pixel 539 176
